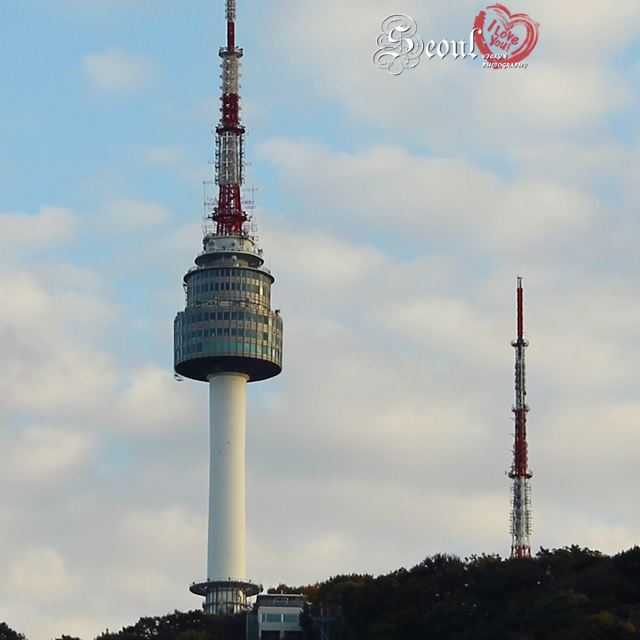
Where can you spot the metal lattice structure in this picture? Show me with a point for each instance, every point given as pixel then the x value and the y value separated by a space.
pixel 228 212
pixel 520 473
pixel 228 335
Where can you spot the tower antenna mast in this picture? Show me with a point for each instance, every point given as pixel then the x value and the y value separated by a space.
pixel 228 213
pixel 520 473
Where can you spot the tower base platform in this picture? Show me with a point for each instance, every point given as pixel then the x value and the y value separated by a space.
pixel 225 597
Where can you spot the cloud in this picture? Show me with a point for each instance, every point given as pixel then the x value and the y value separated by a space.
pixel 570 32
pixel 165 156
pixel 118 72
pixel 156 533
pixel 171 158
pixel 551 97
pixel 152 403
pixel 45 338
pixel 321 259
pixel 41 571
pixel 45 454
pixel 415 197
pixel 570 86
pixel 132 216
pixel 599 166
pixel 50 227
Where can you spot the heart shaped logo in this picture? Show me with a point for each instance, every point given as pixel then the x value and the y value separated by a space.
pixel 504 38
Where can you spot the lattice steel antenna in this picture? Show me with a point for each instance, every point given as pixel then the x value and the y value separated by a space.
pixel 520 473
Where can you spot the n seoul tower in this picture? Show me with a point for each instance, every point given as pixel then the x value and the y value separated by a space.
pixel 227 336
pixel 520 474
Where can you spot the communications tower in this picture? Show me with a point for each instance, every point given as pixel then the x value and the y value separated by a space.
pixel 226 336
pixel 520 474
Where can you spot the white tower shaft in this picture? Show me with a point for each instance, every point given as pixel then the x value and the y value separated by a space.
pixel 227 424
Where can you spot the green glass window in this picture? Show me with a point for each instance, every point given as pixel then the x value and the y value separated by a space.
pixel 271 617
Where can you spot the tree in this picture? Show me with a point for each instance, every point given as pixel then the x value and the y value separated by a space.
pixel 605 626
pixel 7 633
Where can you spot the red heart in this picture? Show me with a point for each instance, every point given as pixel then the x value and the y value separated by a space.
pixel 498 16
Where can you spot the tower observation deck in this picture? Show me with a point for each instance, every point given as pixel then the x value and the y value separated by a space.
pixel 227 336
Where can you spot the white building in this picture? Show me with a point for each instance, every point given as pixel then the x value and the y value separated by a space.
pixel 276 617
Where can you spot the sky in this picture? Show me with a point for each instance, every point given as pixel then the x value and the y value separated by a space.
pixel 395 213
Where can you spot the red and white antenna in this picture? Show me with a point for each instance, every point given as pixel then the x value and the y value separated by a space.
pixel 520 474
pixel 228 213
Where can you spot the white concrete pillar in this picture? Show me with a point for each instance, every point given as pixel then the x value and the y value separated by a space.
pixel 227 421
